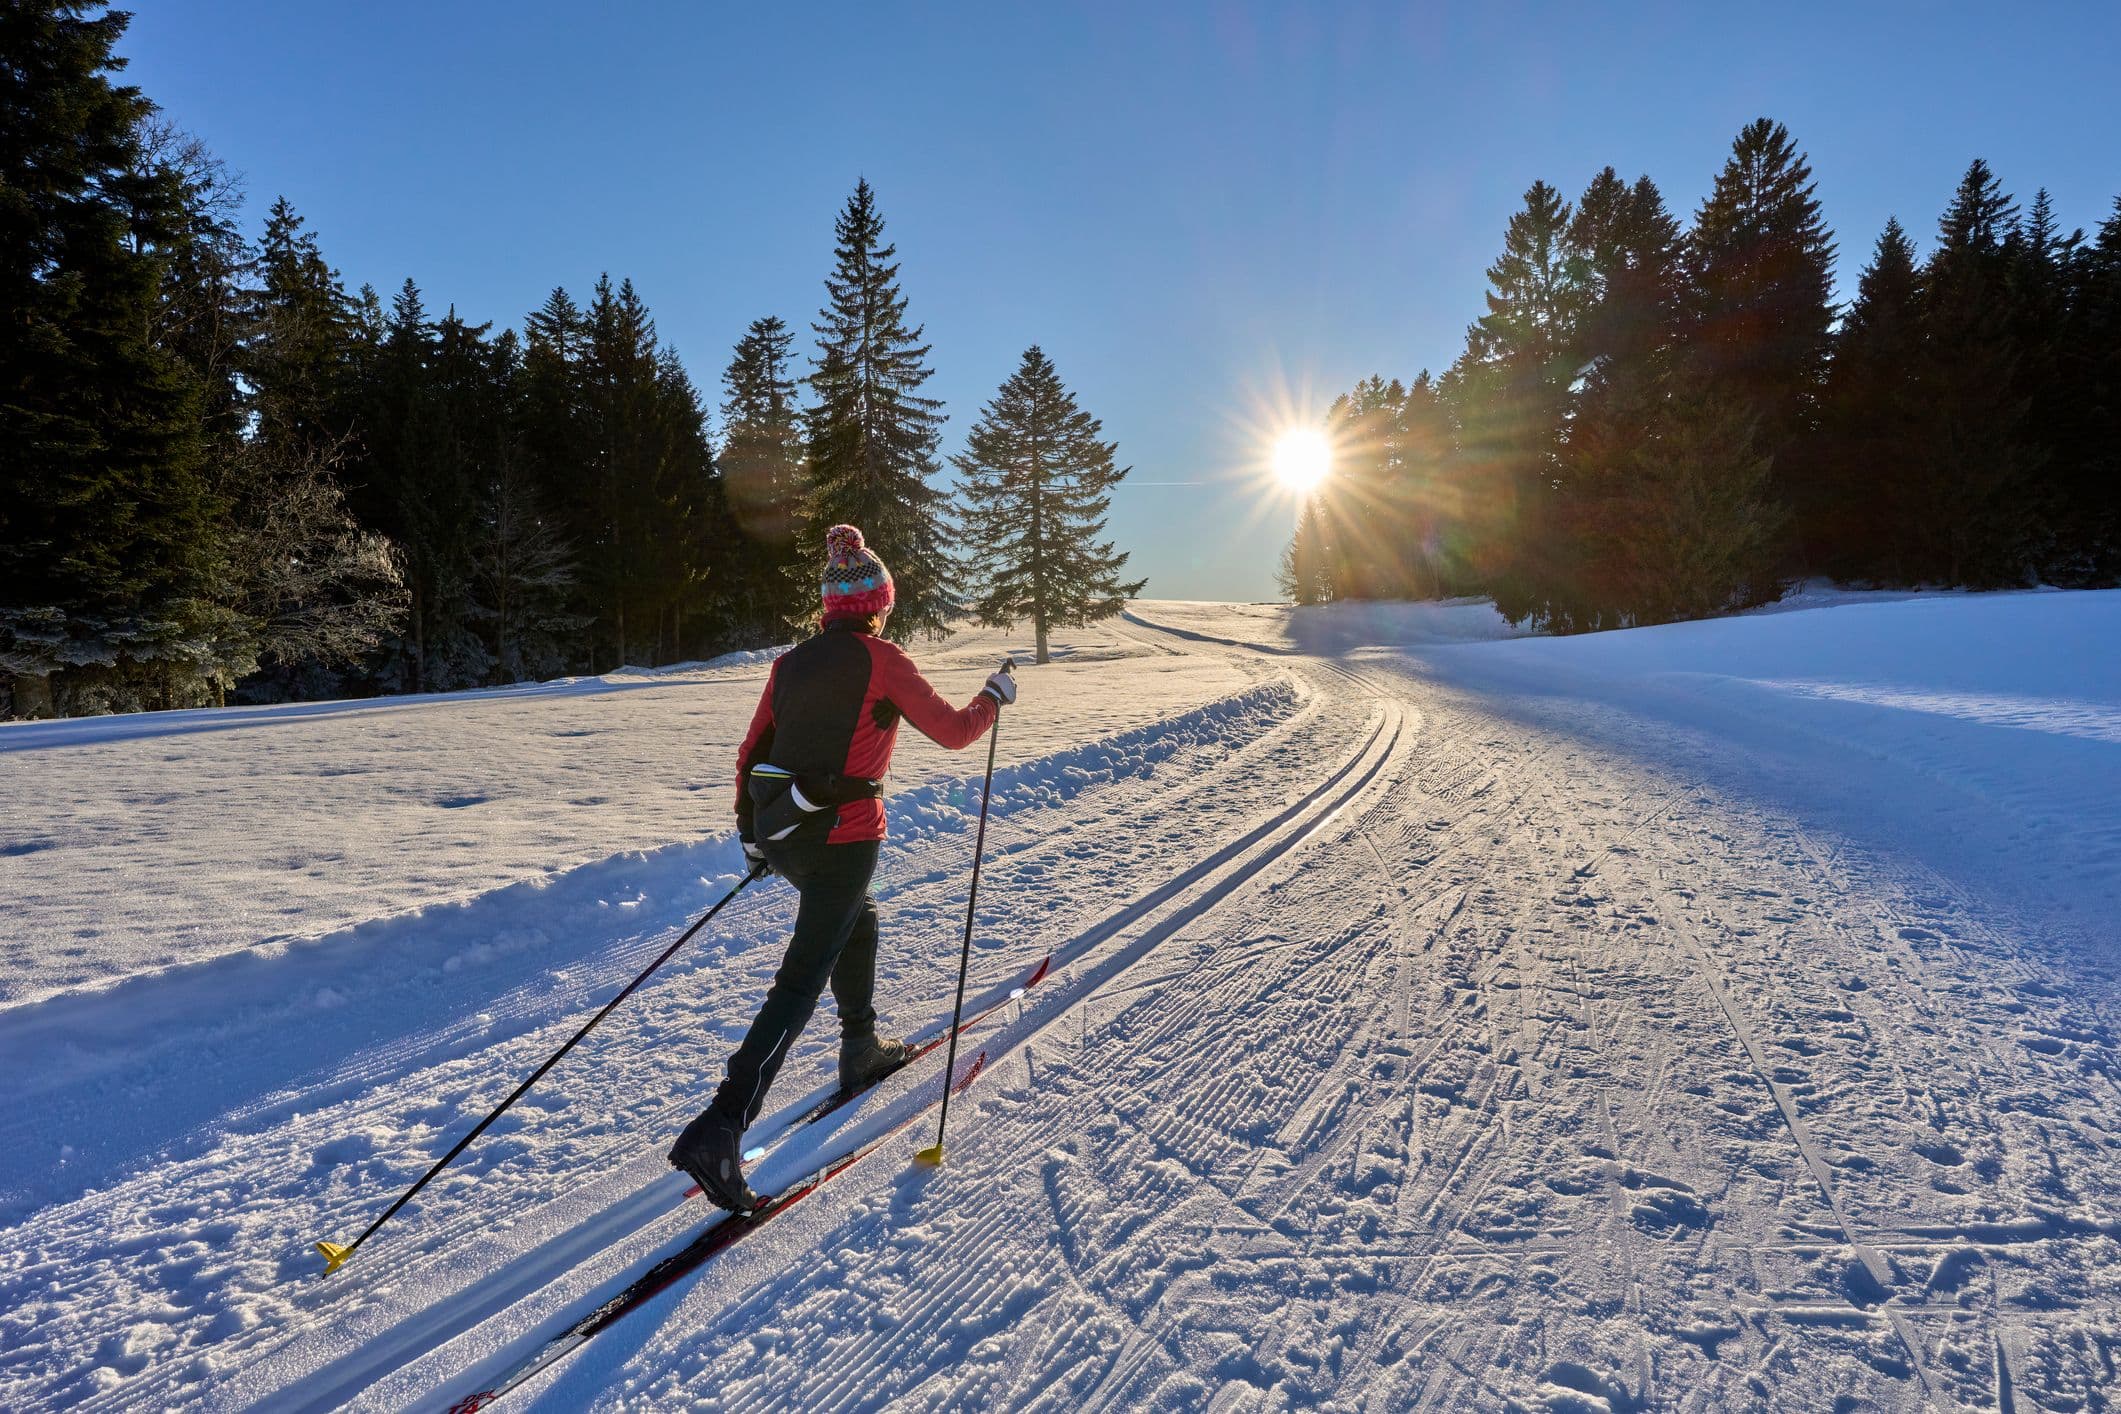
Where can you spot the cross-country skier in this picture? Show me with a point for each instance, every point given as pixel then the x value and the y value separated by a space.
pixel 809 786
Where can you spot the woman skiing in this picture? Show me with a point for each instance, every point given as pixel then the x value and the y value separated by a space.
pixel 809 787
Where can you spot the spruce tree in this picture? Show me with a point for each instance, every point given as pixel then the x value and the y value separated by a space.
pixel 1634 275
pixel 1304 574
pixel 2037 284
pixel 1433 565
pixel 299 342
pixel 622 459
pixel 763 466
pixel 1511 388
pixel 1875 424
pixel 1762 260
pixel 1367 495
pixel 1634 284
pixel 106 527
pixel 429 429
pixel 1037 481
pixel 872 436
pixel 2088 471
pixel 552 423
pixel 1978 526
pixel 1699 521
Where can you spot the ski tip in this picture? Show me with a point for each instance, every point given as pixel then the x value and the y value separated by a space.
pixel 930 1157
pixel 334 1256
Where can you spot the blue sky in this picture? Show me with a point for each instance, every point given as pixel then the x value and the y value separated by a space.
pixel 1211 216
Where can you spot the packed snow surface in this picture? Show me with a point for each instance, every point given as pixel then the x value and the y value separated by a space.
pixel 1716 1015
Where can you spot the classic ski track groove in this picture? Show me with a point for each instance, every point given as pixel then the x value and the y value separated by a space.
pixel 1215 877
pixel 749 913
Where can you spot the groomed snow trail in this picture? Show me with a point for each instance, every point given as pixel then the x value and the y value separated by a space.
pixel 1414 1042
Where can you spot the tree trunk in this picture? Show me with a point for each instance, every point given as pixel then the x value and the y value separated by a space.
pixel 1043 655
pixel 33 696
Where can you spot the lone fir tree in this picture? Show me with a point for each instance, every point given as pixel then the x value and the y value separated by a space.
pixel 872 435
pixel 1038 478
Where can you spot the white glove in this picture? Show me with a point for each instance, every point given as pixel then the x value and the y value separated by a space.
pixel 753 855
pixel 1002 688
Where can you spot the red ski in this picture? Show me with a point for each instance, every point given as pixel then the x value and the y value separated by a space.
pixel 716 1239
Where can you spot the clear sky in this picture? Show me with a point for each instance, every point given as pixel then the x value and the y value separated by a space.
pixel 1211 216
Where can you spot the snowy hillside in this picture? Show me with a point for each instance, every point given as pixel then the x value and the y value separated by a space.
pixel 1718 1015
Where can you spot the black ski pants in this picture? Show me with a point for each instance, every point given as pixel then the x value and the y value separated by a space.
pixel 835 942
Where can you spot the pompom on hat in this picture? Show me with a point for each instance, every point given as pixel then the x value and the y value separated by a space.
pixel 856 581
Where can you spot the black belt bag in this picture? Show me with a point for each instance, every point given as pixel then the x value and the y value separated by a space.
pixel 783 803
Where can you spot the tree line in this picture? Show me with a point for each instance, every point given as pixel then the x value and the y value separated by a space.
pixel 227 474
pixel 1653 422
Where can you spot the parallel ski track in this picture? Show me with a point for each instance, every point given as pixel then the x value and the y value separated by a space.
pixel 1180 900
pixel 903 877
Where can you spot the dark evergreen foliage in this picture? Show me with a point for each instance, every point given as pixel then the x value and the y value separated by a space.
pixel 764 466
pixel 106 551
pixel 1875 422
pixel 1650 423
pixel 872 436
pixel 1038 477
pixel 1511 387
pixel 1762 307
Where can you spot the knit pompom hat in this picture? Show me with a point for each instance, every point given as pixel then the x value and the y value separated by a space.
pixel 856 581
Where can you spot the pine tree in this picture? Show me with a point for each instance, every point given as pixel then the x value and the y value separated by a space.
pixel 1434 567
pixel 1634 287
pixel 1876 427
pixel 1762 260
pixel 430 427
pixel 1511 391
pixel 206 267
pixel 763 466
pixel 1367 495
pixel 552 445
pixel 1978 522
pixel 2088 452
pixel 106 527
pixel 1634 275
pixel 524 574
pixel 697 586
pixel 2037 286
pixel 622 447
pixel 1303 573
pixel 299 343
pixel 1037 481
pixel 872 436
pixel 1699 521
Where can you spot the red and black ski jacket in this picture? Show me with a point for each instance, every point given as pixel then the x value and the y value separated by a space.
pixel 832 704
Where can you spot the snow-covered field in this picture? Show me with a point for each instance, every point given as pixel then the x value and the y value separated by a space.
pixel 1719 1015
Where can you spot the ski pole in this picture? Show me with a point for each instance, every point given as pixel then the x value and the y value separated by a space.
pixel 933 1154
pixel 336 1256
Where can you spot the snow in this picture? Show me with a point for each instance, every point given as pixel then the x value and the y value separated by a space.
pixel 1715 1015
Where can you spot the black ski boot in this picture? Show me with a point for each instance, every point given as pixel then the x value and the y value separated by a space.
pixel 711 1150
pixel 864 1060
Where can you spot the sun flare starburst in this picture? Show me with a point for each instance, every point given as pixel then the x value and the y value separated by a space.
pixel 1302 459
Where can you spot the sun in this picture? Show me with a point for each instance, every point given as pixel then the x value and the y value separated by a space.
pixel 1302 457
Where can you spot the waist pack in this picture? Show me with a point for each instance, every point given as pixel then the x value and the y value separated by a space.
pixel 783 802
